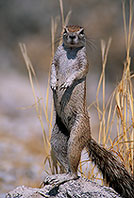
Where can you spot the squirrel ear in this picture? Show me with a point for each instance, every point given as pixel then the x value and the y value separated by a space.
pixel 82 31
pixel 65 30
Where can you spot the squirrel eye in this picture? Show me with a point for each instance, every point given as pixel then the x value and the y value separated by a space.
pixel 82 32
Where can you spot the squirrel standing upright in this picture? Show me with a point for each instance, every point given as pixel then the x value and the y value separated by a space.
pixel 71 132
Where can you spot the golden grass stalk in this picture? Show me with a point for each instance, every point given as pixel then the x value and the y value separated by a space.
pixel 62 13
pixel 31 73
pixel 101 115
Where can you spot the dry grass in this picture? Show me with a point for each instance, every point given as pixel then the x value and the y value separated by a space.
pixel 118 111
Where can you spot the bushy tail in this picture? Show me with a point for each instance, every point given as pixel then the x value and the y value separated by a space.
pixel 113 171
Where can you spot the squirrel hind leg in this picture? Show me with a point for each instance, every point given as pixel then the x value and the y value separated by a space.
pixel 59 143
pixel 79 137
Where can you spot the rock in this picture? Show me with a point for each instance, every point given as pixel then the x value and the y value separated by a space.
pixel 80 188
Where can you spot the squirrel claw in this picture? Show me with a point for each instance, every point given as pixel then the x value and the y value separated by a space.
pixel 65 85
pixel 62 87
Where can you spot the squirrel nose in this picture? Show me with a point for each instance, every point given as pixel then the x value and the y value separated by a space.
pixel 72 37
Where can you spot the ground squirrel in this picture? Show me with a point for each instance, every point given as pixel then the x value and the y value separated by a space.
pixel 71 132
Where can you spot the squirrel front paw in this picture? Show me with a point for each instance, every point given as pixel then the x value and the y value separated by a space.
pixel 66 84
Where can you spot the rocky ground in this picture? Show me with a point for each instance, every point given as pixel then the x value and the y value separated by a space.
pixel 74 189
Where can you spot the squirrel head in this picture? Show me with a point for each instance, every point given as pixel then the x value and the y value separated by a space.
pixel 73 36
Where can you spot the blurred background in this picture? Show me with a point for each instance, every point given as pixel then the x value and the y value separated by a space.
pixel 29 21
